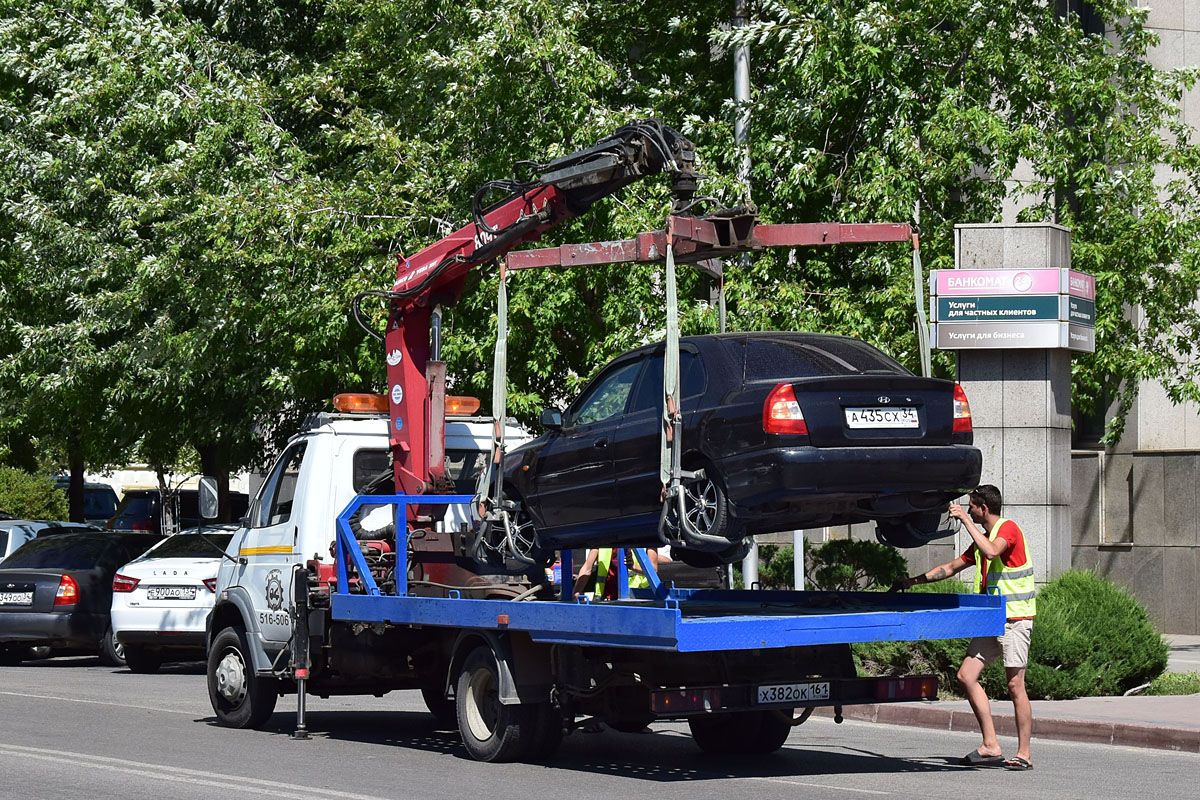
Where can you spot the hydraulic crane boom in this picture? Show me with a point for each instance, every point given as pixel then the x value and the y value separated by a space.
pixel 561 189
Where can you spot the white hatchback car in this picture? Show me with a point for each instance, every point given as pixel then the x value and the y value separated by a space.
pixel 161 601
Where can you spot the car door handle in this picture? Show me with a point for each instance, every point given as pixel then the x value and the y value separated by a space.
pixel 600 443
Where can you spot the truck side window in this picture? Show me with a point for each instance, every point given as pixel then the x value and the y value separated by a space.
pixel 274 503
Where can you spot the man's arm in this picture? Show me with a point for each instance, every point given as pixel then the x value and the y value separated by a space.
pixel 936 574
pixel 990 548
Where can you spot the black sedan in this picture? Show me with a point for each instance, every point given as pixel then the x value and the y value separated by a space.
pixel 56 592
pixel 781 431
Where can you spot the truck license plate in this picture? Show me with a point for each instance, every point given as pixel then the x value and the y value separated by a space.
pixel 16 598
pixel 793 692
pixel 882 417
pixel 171 593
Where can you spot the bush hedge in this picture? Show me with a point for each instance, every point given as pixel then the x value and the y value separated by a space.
pixel 1091 638
pixel 839 565
pixel 28 496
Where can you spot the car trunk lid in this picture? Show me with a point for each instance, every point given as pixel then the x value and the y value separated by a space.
pixel 35 589
pixel 876 410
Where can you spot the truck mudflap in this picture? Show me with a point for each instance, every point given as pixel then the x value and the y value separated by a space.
pixel 690 701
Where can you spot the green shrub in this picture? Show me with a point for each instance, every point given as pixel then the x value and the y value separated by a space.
pixel 1090 638
pixel 30 496
pixel 839 565
pixel 1176 683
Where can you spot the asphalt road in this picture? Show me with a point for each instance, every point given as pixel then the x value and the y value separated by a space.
pixel 69 728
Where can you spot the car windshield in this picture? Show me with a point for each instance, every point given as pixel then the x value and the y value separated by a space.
pixel 191 545
pixel 67 551
pixel 787 357
pixel 463 467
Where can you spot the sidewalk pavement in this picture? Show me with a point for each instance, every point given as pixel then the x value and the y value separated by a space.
pixel 1165 722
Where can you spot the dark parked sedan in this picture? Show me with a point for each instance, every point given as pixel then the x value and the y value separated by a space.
pixel 786 431
pixel 56 592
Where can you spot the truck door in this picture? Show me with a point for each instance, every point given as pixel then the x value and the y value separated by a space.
pixel 270 547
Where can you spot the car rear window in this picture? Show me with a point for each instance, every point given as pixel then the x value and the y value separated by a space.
pixel 99 503
pixel 138 506
pixel 66 551
pixel 190 545
pixel 782 358
pixel 3 541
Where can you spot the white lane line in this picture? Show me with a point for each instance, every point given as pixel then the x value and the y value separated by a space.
pixel 179 774
pixel 95 702
pixel 818 785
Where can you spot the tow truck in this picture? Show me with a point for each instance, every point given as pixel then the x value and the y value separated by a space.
pixel 448 598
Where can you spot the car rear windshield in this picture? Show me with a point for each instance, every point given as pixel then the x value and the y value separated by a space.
pixel 66 551
pixel 782 358
pixel 138 506
pixel 191 545
pixel 99 503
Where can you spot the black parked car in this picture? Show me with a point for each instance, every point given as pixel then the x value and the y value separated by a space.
pixel 790 431
pixel 56 592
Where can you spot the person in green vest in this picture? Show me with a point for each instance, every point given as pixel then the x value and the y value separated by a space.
pixel 1004 566
pixel 598 574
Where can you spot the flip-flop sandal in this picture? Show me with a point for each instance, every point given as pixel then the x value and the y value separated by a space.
pixel 1018 764
pixel 978 759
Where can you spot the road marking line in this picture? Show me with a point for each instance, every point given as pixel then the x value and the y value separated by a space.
pixel 94 702
pixel 817 785
pixel 179 774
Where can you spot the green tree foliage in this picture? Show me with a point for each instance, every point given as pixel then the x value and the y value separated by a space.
pixel 191 191
pixel 28 496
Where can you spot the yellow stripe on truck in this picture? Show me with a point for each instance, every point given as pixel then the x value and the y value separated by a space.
pixel 278 549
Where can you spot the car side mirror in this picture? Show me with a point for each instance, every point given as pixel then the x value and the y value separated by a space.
pixel 551 419
pixel 209 498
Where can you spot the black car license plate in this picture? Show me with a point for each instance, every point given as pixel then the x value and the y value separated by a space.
pixel 171 593
pixel 882 417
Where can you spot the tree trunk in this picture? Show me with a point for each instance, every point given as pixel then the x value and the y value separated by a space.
pixel 75 488
pixel 213 463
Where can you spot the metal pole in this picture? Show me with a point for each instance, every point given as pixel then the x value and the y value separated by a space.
pixel 798 560
pixel 741 136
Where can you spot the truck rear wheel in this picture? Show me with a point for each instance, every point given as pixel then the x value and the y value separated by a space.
pixel 490 730
pixel 240 698
pixel 741 732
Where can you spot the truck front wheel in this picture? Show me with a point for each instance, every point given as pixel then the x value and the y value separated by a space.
pixel 490 730
pixel 240 698
pixel 741 732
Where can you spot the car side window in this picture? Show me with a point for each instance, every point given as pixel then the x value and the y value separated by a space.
pixel 274 503
pixel 650 390
pixel 608 398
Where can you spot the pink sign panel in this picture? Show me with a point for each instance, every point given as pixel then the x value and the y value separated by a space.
pixel 1080 284
pixel 998 281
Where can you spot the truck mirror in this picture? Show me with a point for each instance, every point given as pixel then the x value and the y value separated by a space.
pixel 551 418
pixel 209 499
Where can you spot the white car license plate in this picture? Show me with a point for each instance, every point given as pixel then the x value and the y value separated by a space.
pixel 16 598
pixel 793 692
pixel 882 417
pixel 171 593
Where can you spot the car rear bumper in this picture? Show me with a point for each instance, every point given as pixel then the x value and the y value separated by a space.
pixel 68 630
pixel 164 640
pixel 848 478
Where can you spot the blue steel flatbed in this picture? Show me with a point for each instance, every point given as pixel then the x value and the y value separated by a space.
pixel 665 618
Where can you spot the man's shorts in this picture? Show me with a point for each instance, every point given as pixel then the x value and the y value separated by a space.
pixel 1013 645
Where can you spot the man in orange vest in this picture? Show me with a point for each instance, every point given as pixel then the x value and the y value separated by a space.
pixel 1004 566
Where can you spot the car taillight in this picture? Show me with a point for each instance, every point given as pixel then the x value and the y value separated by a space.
pixel 781 412
pixel 211 583
pixel 68 592
pixel 962 411
pixel 141 525
pixel 124 584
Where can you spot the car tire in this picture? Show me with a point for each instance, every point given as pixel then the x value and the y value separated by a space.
pixel 141 660
pixel 240 698
pixel 741 732
pixel 705 506
pixel 12 656
pixel 490 730
pixel 705 560
pixel 112 652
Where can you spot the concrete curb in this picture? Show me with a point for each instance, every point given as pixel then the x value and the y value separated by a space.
pixel 1125 734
